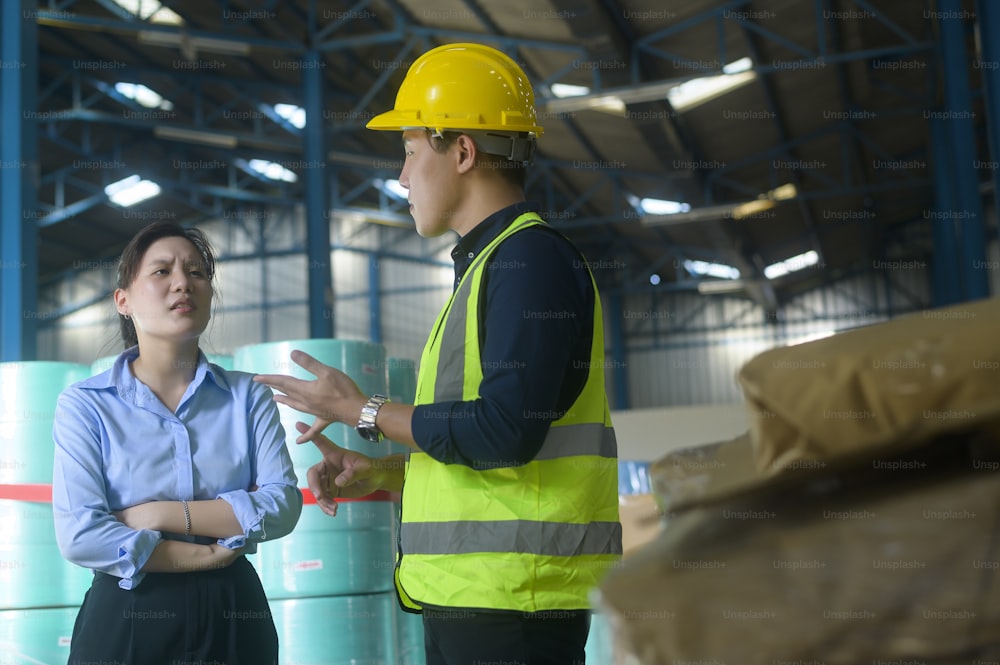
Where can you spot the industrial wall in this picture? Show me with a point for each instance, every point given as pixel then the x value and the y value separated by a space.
pixel 263 298
pixel 681 348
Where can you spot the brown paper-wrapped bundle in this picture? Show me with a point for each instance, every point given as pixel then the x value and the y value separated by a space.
pixel 894 561
pixel 885 387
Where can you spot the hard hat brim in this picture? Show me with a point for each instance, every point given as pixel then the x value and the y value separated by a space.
pixel 395 121
pixel 399 120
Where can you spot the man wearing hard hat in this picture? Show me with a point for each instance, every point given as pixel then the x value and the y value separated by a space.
pixel 510 493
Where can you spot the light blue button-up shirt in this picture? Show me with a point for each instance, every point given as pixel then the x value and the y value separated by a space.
pixel 118 446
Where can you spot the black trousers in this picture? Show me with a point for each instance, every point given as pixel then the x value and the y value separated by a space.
pixel 217 617
pixel 464 637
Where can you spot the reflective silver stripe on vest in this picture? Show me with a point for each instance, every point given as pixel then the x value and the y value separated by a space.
pixel 512 536
pixel 449 384
pixel 581 439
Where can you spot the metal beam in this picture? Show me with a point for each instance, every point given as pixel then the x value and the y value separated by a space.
pixel 183 36
pixel 18 189
pixel 321 308
pixel 962 144
pixel 989 41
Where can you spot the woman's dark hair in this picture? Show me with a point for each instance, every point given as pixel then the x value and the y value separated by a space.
pixel 132 255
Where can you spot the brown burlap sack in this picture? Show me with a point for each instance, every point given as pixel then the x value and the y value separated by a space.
pixel 883 388
pixel 894 561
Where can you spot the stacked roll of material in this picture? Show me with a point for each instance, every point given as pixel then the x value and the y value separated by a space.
pixel 402 381
pixel 222 360
pixel 39 636
pixel 401 376
pixel 362 361
pixel 32 570
pixel 330 566
pixel 337 630
pixel 107 362
pixel 102 364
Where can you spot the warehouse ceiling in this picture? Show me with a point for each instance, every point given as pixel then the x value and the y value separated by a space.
pixel 824 147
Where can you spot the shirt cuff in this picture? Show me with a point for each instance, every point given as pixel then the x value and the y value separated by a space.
pixel 250 517
pixel 133 554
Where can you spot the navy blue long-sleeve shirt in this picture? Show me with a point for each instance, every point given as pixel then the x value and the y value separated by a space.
pixel 537 326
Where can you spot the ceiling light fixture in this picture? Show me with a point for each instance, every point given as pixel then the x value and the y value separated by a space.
pixel 131 190
pixel 742 210
pixel 190 46
pixel 195 136
pixel 792 264
pixel 684 94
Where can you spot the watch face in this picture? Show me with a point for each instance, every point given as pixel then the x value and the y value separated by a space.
pixel 370 434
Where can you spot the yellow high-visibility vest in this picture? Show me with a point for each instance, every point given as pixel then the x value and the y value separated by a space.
pixel 525 538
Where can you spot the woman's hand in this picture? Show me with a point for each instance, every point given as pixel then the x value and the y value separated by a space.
pixel 222 557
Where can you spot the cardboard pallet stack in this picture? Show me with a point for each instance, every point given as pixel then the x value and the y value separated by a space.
pixel 858 521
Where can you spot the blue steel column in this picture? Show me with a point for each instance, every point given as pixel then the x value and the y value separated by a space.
pixel 946 280
pixel 18 180
pixel 988 13
pixel 618 366
pixel 961 130
pixel 321 311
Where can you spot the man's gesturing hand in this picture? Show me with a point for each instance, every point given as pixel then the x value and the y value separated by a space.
pixel 331 397
pixel 342 473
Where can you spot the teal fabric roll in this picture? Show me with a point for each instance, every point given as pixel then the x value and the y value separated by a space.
pixel 343 630
pixel 36 636
pixel 362 361
pixel 402 386
pixel 102 364
pixel 410 638
pixel 350 554
pixel 32 570
pixel 28 394
pixel 224 361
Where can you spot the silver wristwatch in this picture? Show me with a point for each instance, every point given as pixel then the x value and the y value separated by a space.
pixel 366 423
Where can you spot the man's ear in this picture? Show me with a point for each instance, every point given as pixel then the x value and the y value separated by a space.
pixel 465 153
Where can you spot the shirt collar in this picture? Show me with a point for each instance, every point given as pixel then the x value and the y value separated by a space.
pixel 482 234
pixel 121 378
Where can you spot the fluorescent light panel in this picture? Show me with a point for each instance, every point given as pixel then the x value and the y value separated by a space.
pixel 721 286
pixel 663 207
pixel 793 264
pixel 191 46
pixel 195 136
pixel 151 11
pixel 705 268
pixel 143 95
pixel 393 188
pixel 272 170
pixel 683 96
pixel 562 90
pixel 697 91
pixel 131 190
pixel 296 115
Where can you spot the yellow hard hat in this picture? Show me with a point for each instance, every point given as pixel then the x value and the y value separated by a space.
pixel 463 87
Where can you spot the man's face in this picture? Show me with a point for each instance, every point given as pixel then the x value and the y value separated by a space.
pixel 432 181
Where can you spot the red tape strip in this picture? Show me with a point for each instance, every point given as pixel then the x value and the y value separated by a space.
pixel 35 493
pixel 378 495
pixel 41 493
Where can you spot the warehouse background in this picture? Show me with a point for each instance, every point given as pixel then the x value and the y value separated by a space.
pixel 739 175
pixel 859 133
